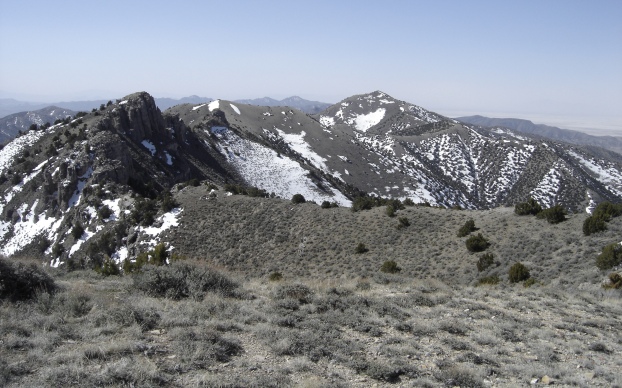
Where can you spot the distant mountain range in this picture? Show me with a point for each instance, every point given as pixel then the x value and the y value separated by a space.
pixel 612 143
pixel 12 124
pixel 310 107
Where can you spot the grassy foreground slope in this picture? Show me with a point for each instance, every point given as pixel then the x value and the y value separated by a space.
pixel 216 320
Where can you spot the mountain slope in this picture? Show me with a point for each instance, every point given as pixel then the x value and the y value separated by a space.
pixel 612 143
pixel 11 125
pixel 112 171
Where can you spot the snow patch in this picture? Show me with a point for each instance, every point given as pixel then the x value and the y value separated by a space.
pixel 213 105
pixel 149 145
pixel 326 121
pixel 199 107
pixel 298 144
pixel 235 108
pixel 364 122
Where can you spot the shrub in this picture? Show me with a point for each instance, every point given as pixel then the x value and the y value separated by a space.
pixel 144 212
pixel 298 198
pixel 108 268
pixel 529 282
pixel 157 256
pixel 325 205
pixel 168 203
pixel 606 211
pixel 485 261
pixel 403 222
pixel 593 224
pixel 610 256
pixel 57 250
pixel 408 202
pixel 181 280
pixel 553 215
pixel 19 281
pixel 361 248
pixel 390 211
pixel 517 273
pixel 477 243
pixel 275 277
pixel 104 212
pixel 531 207
pixel 467 228
pixel 299 292
pixel 362 203
pixel 390 266
pixel 488 280
pixel 77 231
pixel 615 281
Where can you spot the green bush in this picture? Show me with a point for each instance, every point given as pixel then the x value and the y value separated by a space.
pixel 390 266
pixel 531 207
pixel 275 277
pixel 615 281
pixel 181 280
pixel 19 281
pixel 144 212
pixel 298 198
pixel 610 256
pixel 606 211
pixel 77 231
pixel 593 224
pixel 104 212
pixel 408 202
pixel 488 280
pixel 467 228
pixel 299 292
pixel 477 243
pixel 158 256
pixel 529 282
pixel 485 261
pixel 554 215
pixel 403 222
pixel 167 202
pixel 390 211
pixel 517 273
pixel 108 268
pixel 361 248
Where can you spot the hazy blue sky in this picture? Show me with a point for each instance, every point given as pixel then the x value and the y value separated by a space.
pixel 555 61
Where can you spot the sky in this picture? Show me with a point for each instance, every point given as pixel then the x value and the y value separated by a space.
pixel 554 62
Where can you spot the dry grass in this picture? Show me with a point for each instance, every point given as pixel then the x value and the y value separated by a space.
pixel 102 331
pixel 334 319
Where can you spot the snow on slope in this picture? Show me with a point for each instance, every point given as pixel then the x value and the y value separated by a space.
pixel 298 144
pixel 545 193
pixel 608 174
pixel 363 122
pixel 19 145
pixel 264 168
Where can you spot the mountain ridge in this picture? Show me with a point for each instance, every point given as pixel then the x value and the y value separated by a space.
pixel 612 143
pixel 128 155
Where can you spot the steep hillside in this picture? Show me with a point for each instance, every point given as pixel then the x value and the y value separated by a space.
pixel 12 125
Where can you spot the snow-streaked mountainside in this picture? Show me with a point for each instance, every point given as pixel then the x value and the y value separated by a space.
pixel 11 125
pixel 92 171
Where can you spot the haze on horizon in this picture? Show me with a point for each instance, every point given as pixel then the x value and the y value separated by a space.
pixel 555 62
